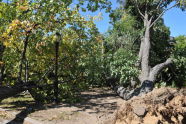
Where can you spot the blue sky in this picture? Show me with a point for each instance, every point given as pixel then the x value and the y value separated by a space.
pixel 175 19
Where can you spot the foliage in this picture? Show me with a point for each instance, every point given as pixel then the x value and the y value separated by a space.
pixel 29 41
pixel 128 31
pixel 180 61
pixel 123 66
pixel 175 75
pixel 160 43
pixel 121 47
pixel 124 33
pixel 128 21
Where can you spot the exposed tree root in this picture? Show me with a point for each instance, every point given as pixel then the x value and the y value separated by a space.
pixel 126 94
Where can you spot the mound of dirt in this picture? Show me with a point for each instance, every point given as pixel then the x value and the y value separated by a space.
pixel 161 106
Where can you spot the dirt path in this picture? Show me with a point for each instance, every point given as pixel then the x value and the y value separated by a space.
pixel 98 107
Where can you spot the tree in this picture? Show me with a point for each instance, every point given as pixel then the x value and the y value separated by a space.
pixel 121 48
pixel 30 46
pixel 150 12
pixel 179 58
pixel 6 15
pixel 127 31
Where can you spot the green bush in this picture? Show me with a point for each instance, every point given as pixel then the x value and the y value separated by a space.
pixel 123 66
pixel 179 56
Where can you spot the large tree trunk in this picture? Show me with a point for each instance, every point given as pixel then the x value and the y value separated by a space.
pixel 147 75
pixel 145 51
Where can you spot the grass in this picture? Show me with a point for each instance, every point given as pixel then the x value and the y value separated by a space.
pixel 18 102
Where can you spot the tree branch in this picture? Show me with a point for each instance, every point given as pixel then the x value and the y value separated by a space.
pixel 163 13
pixel 159 3
pixel 48 71
pixel 139 9
pixel 158 68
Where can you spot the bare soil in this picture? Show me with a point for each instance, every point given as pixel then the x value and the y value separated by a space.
pixel 98 106
pixel 102 106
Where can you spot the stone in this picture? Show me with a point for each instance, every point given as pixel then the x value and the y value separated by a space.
pixel 180 118
pixel 140 111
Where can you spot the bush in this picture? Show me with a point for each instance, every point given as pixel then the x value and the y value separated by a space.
pixel 123 66
pixel 180 62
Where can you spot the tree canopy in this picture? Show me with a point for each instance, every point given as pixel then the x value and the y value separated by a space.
pixel 50 49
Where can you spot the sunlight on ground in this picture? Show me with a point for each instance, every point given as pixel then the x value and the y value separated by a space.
pixel 17 102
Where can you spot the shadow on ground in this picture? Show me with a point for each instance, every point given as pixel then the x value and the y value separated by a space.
pixel 94 101
pixel 20 117
pixel 23 103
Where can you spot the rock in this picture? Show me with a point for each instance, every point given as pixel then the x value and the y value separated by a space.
pixel 140 111
pixel 180 118
pixel 174 119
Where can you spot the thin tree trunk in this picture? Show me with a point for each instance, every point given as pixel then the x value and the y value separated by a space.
pixel 26 71
pixel 23 58
pixel 2 67
pixel 56 91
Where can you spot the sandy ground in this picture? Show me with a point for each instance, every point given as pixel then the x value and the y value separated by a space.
pixel 99 106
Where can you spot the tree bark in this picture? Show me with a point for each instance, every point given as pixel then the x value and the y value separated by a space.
pixel 148 73
pixel 158 68
pixel 126 94
pixel 2 67
pixel 23 58
pixel 56 82
pixel 145 50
